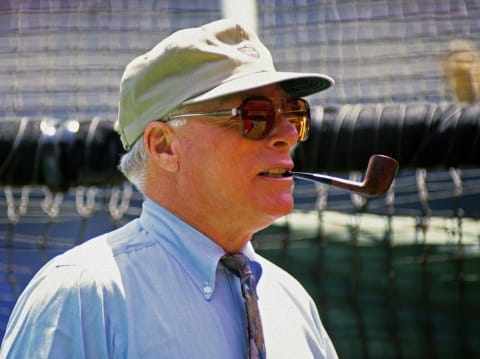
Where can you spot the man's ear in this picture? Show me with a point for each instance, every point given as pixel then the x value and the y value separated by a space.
pixel 158 138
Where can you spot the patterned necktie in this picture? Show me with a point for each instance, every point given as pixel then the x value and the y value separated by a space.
pixel 239 264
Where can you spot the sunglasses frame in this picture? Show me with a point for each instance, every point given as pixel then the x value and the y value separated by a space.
pixel 237 113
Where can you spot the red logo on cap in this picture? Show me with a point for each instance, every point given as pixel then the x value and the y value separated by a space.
pixel 249 51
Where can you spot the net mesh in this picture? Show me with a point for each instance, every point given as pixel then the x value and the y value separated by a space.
pixel 396 276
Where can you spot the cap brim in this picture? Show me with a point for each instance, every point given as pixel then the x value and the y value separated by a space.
pixel 295 84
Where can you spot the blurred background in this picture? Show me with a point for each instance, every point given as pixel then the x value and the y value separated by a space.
pixel 393 277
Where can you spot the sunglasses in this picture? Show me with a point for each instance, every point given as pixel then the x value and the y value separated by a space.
pixel 257 116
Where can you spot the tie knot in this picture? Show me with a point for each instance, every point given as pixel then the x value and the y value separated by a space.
pixel 237 263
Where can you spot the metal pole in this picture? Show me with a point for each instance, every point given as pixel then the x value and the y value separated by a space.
pixel 243 11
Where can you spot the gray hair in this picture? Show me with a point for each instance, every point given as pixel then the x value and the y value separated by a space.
pixel 132 164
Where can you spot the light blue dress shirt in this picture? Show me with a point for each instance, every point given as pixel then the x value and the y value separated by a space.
pixel 155 289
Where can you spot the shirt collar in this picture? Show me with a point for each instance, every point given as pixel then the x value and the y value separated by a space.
pixel 197 253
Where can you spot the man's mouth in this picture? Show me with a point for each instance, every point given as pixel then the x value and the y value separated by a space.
pixel 276 173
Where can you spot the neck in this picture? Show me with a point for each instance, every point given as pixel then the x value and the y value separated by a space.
pixel 220 230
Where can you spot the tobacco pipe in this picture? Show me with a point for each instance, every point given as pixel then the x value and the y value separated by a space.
pixel 381 171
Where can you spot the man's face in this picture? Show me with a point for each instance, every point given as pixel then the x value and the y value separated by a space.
pixel 231 179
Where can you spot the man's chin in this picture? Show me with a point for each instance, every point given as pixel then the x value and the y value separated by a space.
pixel 281 208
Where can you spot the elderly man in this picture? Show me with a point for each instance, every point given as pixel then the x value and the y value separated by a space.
pixel 209 125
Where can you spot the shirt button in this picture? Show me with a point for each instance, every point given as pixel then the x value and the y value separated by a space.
pixel 207 289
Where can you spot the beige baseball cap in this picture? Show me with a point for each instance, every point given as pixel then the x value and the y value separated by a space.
pixel 199 64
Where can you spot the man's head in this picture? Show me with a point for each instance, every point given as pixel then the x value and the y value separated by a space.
pixel 198 64
pixel 214 149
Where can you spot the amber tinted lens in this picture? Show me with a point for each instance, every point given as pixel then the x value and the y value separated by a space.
pixel 257 118
pixel 297 112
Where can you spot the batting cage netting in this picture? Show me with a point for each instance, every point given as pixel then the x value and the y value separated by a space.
pixel 396 276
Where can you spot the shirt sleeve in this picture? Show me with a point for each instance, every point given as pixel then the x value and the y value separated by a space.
pixel 59 315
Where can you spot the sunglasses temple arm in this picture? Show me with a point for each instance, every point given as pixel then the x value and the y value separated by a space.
pixel 232 112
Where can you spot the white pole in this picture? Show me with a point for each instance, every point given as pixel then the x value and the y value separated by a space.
pixel 243 11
